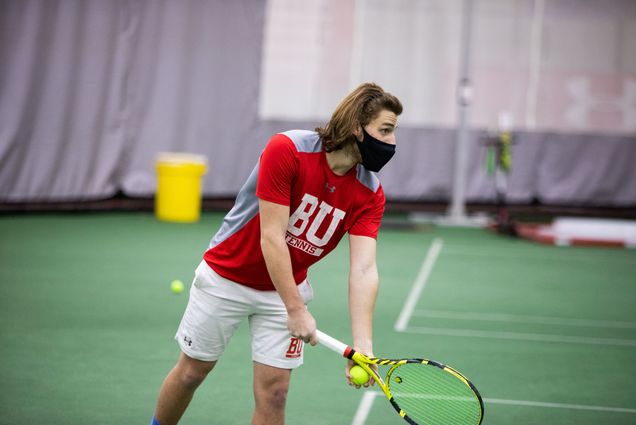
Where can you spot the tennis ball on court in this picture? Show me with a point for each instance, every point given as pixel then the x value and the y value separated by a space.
pixel 176 286
pixel 359 376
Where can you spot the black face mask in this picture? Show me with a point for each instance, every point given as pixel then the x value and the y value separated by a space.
pixel 375 154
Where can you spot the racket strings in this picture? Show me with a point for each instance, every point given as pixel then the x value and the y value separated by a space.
pixel 430 395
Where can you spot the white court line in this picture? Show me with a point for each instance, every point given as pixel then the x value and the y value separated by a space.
pixel 364 407
pixel 518 318
pixel 511 254
pixel 559 405
pixel 522 336
pixel 418 286
pixel 369 397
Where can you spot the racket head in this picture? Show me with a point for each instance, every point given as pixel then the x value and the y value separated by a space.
pixel 422 391
pixel 427 392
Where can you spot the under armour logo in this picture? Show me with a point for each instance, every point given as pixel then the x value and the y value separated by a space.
pixel 584 103
pixel 331 189
pixel 188 341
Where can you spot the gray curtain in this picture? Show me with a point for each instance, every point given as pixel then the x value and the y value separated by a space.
pixel 91 91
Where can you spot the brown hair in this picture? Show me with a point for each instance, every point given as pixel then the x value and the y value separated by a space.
pixel 359 108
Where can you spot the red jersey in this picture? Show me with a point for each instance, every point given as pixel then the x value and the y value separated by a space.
pixel 293 171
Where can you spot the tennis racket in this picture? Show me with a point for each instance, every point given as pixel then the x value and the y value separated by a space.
pixel 422 391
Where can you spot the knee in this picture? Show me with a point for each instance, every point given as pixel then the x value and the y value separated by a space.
pixel 192 374
pixel 191 378
pixel 270 389
pixel 276 396
pixel 279 397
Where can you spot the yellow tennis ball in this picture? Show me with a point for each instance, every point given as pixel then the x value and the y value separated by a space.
pixel 359 376
pixel 176 286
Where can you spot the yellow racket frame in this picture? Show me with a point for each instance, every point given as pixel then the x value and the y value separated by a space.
pixel 366 363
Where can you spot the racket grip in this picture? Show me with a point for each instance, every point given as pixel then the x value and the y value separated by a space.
pixel 332 343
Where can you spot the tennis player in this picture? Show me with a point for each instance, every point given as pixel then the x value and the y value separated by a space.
pixel 308 189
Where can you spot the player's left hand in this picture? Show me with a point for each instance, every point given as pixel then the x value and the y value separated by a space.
pixel 367 384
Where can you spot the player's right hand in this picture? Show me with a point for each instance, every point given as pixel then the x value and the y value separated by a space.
pixel 301 324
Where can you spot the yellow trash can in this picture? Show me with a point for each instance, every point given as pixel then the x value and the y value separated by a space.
pixel 179 178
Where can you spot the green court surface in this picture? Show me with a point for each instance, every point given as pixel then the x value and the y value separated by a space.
pixel 87 319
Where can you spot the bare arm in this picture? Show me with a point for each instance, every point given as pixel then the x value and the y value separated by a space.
pixel 274 220
pixel 363 291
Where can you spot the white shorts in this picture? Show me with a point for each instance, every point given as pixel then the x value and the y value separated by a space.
pixel 216 308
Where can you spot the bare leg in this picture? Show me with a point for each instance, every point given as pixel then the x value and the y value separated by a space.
pixel 270 394
pixel 178 388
